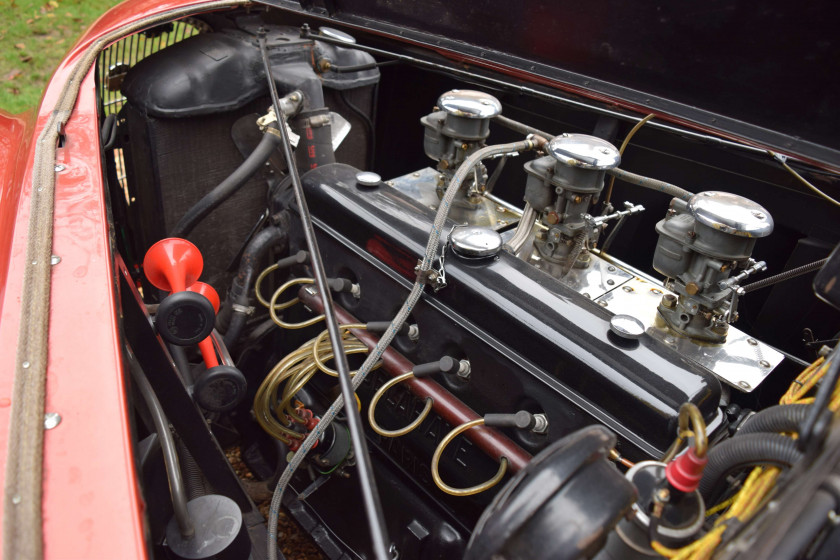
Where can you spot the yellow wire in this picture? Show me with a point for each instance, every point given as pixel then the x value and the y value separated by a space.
pixel 273 306
pixel 803 180
pixel 273 403
pixel 623 147
pixel 758 484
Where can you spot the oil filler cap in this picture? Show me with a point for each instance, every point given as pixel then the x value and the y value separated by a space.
pixel 627 327
pixel 472 242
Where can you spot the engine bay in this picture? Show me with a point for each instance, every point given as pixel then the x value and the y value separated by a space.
pixel 574 332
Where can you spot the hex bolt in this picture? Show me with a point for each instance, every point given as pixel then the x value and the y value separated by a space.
pixel 464 370
pixel 540 424
pixel 669 301
pixel 413 333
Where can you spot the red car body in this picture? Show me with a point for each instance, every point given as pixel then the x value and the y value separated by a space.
pixel 92 507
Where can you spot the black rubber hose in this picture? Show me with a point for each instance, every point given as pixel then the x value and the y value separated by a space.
pixel 776 419
pixel 746 451
pixel 241 287
pixel 816 423
pixel 177 487
pixel 228 187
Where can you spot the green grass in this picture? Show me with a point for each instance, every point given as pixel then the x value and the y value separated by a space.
pixel 34 36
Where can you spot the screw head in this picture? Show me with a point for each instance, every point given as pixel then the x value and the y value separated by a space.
pixel 764 363
pixel 752 342
pixel 627 289
pixel 51 420
pixel 59 168
pixel 55 259
pixel 743 385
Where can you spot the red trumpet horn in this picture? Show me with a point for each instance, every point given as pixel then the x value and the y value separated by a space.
pixel 184 317
pixel 219 388
pixel 173 264
pixel 208 353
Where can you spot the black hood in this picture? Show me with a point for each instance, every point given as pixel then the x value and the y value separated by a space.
pixel 763 72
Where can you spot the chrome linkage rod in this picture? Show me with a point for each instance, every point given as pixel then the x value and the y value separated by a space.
pixel 370 494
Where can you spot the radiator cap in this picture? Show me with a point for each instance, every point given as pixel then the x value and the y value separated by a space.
pixel 472 242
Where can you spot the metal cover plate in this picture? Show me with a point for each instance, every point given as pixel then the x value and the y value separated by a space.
pixel 593 281
pixel 422 186
pixel 742 362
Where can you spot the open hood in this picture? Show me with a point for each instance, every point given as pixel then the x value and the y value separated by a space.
pixel 762 74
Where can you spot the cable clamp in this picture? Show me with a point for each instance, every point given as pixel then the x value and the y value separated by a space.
pixel 244 309
pixel 268 125
pixel 781 158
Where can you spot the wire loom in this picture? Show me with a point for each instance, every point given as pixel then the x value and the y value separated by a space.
pixel 276 412
pixel 758 485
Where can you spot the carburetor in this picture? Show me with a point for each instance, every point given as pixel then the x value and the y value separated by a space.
pixel 452 134
pixel 561 187
pixel 701 243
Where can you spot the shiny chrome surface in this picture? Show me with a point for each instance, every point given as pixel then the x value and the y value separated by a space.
pixel 627 326
pixel 584 151
pixel 368 178
pixel 336 34
pixel 475 242
pixel 742 361
pixel 593 281
pixel 470 104
pixel 422 187
pixel 731 213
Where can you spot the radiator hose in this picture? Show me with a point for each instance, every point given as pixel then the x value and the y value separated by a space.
pixel 237 301
pixel 745 451
pixel 229 186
